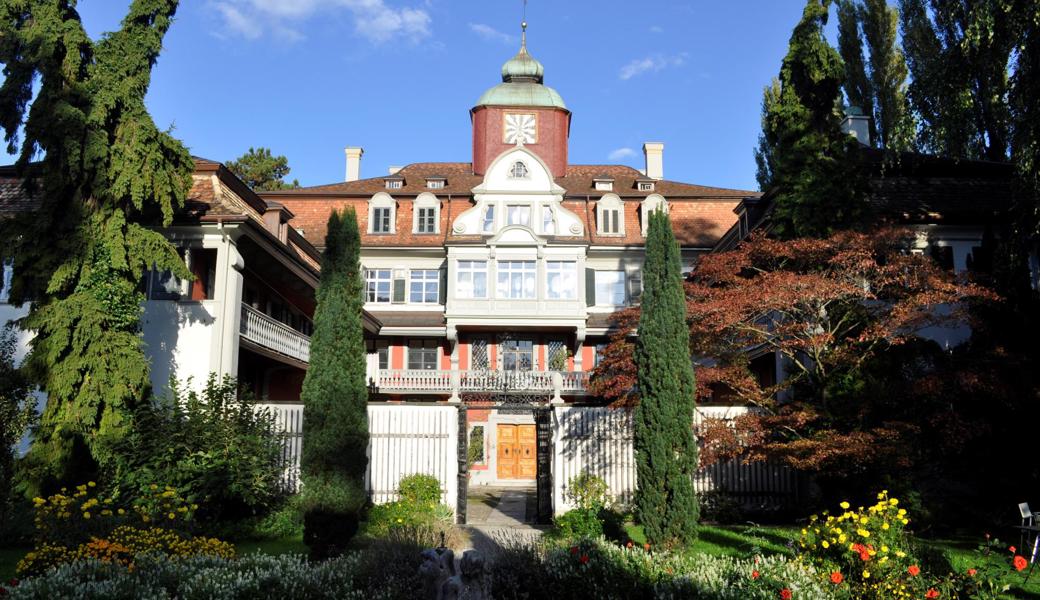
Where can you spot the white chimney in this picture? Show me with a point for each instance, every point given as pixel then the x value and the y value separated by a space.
pixel 857 125
pixel 354 163
pixel 654 152
pixel 394 170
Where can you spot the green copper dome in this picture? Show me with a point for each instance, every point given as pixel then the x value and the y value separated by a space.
pixel 522 78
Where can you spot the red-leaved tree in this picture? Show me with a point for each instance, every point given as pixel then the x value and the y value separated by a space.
pixel 844 315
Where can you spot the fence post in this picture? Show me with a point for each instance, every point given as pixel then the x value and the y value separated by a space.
pixel 543 425
pixel 463 477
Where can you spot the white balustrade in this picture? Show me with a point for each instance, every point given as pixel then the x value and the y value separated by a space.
pixel 269 333
pixel 479 381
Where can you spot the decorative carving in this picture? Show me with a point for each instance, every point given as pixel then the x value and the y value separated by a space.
pixel 521 129
pixel 576 229
pixel 459 227
pixel 442 582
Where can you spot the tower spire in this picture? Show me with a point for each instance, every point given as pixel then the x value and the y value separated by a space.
pixel 523 29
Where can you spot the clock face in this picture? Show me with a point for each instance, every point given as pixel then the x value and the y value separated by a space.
pixel 521 129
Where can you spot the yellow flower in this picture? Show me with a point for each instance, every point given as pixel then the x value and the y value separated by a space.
pixel 884 526
pixel 91 483
pixel 86 515
pixel 121 511
pixel 863 533
pixel 864 521
pixel 172 516
pixel 825 544
pixel 845 505
pixel 894 501
pixel 866 574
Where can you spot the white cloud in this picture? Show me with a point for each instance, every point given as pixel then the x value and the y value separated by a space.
pixel 491 34
pixel 650 64
pixel 373 19
pixel 621 154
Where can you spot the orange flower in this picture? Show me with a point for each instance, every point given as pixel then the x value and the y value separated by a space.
pixel 1020 563
pixel 754 574
pixel 972 572
pixel 1012 549
pixel 646 547
pixel 836 577
pixel 629 544
pixel 931 593
pixel 913 570
pixel 785 594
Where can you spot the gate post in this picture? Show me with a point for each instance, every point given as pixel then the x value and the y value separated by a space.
pixel 543 429
pixel 463 478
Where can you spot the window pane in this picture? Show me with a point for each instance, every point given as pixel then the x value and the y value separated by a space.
pixel 377 285
pixel 548 225
pixel 425 286
pixel 610 288
pixel 422 354
pixel 561 280
pixel 518 215
pixel 471 279
pixel 164 286
pixel 489 219
pixel 516 279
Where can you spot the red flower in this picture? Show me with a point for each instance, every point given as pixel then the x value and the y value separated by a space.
pixel 931 593
pixel 864 556
pixel 1020 563
pixel 574 549
pixel 972 572
pixel 754 574
pixel 629 544
pixel 836 577
pixel 913 570
pixel 785 594
pixel 584 559
pixel 1012 549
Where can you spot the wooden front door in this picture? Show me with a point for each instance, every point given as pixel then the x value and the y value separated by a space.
pixel 517 452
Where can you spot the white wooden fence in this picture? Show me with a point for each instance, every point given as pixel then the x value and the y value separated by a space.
pixel 599 441
pixel 403 440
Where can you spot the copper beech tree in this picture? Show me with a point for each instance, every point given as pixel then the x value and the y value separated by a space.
pixel 836 311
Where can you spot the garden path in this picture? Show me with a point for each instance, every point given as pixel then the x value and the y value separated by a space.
pixel 500 517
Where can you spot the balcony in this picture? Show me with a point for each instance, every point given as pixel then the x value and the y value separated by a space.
pixel 273 335
pixel 433 381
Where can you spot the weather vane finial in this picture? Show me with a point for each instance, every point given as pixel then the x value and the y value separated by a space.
pixel 523 28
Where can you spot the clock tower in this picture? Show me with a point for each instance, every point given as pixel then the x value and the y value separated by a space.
pixel 521 111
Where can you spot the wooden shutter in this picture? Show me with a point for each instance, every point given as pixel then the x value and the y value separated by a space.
pixel 443 289
pixel 400 289
pixel 590 287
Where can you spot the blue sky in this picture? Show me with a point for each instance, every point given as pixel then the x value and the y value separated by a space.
pixel 398 77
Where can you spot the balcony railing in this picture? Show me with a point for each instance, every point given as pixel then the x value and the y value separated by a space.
pixel 274 335
pixel 413 380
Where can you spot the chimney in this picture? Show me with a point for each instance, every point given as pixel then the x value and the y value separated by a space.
pixel 394 170
pixel 857 125
pixel 654 152
pixel 354 163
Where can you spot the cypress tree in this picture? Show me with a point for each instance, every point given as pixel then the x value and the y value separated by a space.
pixel 335 416
pixel 817 185
pixel 666 451
pixel 106 175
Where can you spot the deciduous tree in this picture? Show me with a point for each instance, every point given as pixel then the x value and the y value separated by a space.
pixel 335 417
pixel 666 452
pixel 106 173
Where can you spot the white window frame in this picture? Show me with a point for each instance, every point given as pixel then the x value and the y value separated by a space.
pixel 519 170
pixel 375 277
pixel 650 204
pixel 548 220
pixel 426 202
pixel 381 350
pixel 381 201
pixel 617 282
pixel 604 186
pixel 561 269
pixel 466 272
pixel 425 279
pixel 646 186
pixel 526 208
pixel 394 184
pixel 487 224
pixel 509 270
pixel 607 204
pixel 436 184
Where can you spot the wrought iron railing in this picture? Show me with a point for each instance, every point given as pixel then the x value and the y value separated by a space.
pixel 412 380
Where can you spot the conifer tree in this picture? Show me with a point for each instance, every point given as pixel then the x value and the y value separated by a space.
pixel 666 451
pixel 106 174
pixel 335 417
pixel 814 176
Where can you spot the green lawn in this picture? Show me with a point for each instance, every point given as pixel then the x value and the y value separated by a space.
pixel 732 540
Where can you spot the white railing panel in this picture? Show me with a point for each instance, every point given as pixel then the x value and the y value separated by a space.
pixel 409 380
pixel 274 335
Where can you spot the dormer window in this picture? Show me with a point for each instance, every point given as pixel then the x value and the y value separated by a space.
pixel 381 214
pixel 519 171
pixel 436 183
pixel 646 186
pixel 610 215
pixel 604 184
pixel 394 183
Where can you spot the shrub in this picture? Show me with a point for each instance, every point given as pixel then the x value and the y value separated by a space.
pixel 590 495
pixel 419 506
pixel 17 414
pixel 215 446
pixel 578 523
pixel 82 525
pixel 588 491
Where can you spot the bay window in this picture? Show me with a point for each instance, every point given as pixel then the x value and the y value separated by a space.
pixel 561 278
pixel 471 279
pixel 516 279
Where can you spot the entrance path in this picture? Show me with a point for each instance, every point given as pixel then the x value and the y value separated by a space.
pixel 499 517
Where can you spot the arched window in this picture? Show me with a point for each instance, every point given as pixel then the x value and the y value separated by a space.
pixel 426 214
pixel 382 214
pixel 519 170
pixel 650 204
pixel 610 215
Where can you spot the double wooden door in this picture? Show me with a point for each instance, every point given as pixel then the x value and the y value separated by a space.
pixel 517 452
